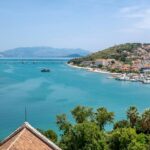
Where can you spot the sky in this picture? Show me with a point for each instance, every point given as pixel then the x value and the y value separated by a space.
pixel 87 24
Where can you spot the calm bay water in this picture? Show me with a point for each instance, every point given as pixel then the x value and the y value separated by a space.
pixel 48 94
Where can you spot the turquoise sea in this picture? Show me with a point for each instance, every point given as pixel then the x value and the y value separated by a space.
pixel 47 94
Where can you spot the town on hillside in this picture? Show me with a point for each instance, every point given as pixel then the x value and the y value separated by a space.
pixel 129 62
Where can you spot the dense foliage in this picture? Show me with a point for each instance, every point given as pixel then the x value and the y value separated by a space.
pixel 88 131
pixel 50 134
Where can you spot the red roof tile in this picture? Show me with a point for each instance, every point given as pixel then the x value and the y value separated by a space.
pixel 27 138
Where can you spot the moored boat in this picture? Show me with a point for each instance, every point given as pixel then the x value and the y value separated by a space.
pixel 146 81
pixel 45 70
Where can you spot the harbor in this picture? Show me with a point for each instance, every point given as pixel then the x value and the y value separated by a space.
pixel 144 78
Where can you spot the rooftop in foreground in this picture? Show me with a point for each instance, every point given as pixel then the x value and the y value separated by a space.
pixel 27 138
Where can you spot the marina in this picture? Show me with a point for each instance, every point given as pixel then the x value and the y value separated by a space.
pixel 133 77
pixel 144 78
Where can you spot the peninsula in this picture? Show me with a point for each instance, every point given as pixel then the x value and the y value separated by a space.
pixel 131 61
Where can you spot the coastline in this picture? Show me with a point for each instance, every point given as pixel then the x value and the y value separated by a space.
pixel 92 69
pixel 117 76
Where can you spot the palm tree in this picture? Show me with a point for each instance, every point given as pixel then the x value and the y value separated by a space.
pixel 82 114
pixel 146 121
pixel 103 116
pixel 132 115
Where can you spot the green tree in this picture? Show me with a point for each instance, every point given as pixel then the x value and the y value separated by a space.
pixel 141 142
pixel 50 134
pixel 132 115
pixel 88 133
pixel 103 117
pixel 100 66
pixel 127 139
pixel 84 136
pixel 62 122
pixel 81 114
pixel 121 124
pixel 145 121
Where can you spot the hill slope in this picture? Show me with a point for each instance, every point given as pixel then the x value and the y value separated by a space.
pixel 42 52
pixel 124 58
pixel 123 53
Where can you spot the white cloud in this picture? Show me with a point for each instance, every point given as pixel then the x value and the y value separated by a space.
pixel 138 17
pixel 144 23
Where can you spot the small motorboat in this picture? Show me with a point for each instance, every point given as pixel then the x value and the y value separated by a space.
pixel 45 70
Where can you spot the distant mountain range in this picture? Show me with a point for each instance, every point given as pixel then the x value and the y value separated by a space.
pixel 42 52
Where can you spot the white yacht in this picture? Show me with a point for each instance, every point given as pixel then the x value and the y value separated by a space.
pixel 146 81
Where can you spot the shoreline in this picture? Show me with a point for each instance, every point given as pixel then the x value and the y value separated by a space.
pixel 93 70
pixel 117 76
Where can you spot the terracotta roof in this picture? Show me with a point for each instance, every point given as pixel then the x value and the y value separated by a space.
pixel 27 138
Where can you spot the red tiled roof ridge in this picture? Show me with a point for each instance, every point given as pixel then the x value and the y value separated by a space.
pixel 26 125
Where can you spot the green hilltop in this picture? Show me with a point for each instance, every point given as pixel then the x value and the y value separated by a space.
pixel 123 52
